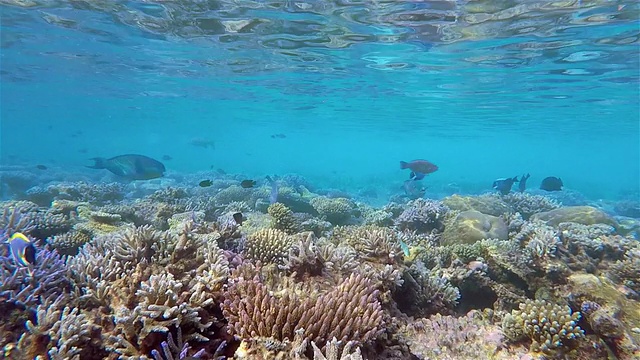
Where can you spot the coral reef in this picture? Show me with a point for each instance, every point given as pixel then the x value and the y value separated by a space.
pixel 471 226
pixel 423 216
pixel 283 218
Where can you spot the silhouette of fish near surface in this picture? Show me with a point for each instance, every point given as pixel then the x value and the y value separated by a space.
pixel 419 168
pixel 131 166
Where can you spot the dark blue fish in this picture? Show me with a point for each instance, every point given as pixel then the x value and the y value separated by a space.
pixel 131 166
pixel 504 185
pixel 22 250
pixel 551 183
pixel 412 190
pixel 522 185
pixel 416 175
pixel 273 197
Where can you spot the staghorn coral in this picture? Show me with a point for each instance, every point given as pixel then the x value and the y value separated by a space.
pixel 422 216
pixel 69 243
pixel 176 350
pixel 282 218
pixel 539 240
pixel 268 246
pixel 337 211
pixel 425 292
pixel 585 238
pixel 305 257
pixel 13 219
pixel 626 271
pixel 333 351
pixel 551 328
pixel 340 259
pixel 528 204
pixel 348 312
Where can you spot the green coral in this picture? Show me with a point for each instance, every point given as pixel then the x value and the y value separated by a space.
pixel 282 218
pixel 551 327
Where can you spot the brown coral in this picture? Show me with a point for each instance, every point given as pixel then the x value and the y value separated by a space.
pixel 282 218
pixel 268 246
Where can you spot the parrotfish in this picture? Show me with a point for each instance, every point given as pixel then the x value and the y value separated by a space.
pixel 131 166
pixel 22 250
pixel 422 167
pixel 551 183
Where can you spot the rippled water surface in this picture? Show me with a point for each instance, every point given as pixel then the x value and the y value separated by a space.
pixel 485 89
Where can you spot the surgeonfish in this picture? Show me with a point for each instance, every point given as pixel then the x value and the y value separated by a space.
pixel 522 185
pixel 551 183
pixel 22 249
pixel 504 185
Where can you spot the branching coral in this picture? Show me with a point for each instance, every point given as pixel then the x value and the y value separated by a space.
pixel 282 218
pixel 372 243
pixel 349 312
pixel 305 257
pixel 268 246
pixel 551 328
pixel 425 292
pixel 423 216
pixel 528 204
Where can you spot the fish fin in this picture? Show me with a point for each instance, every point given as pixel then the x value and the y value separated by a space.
pixel 99 163
pixel 403 165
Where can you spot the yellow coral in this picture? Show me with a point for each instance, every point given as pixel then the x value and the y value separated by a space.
pixel 282 218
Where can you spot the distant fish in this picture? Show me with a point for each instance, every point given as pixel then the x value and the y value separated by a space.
pixel 203 143
pixel 278 136
pixel 22 250
pixel 522 185
pixel 166 157
pixel 131 166
pixel 220 171
pixel 551 183
pixel 412 190
pixel 419 166
pixel 41 167
pixel 273 196
pixel 308 107
pixel 238 218
pixel 205 183
pixel 247 184
pixel 504 185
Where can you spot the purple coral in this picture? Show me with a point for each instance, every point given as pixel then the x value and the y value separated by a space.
pixel 423 216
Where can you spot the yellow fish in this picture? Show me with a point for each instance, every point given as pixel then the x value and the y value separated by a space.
pixel 22 250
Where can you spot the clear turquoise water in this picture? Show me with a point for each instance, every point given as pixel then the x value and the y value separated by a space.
pixel 484 89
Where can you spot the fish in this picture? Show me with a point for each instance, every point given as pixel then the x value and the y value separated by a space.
pixel 166 157
pixel 504 185
pixel 412 190
pixel 273 196
pixel 278 136
pixel 522 185
pixel 205 183
pixel 416 176
pixel 220 171
pixel 404 247
pixel 22 249
pixel 419 166
pixel 203 143
pixel 238 218
pixel 131 166
pixel 41 167
pixel 551 183
pixel 248 183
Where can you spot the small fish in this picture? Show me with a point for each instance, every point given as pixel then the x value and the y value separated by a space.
pixel 205 183
pixel 22 250
pixel 416 176
pixel 220 171
pixel 41 167
pixel 551 183
pixel 522 185
pixel 247 184
pixel 203 143
pixel 278 136
pixel 131 166
pixel 238 218
pixel 273 196
pixel 166 157
pixel 308 107
pixel 419 166
pixel 404 247
pixel 504 185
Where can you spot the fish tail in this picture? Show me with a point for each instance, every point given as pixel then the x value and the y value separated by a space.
pixel 99 163
pixel 403 165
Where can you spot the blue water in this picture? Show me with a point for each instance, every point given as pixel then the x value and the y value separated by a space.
pixel 483 89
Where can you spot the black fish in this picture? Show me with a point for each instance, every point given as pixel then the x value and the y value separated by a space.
pixel 238 218
pixel 278 136
pixel 248 183
pixel 131 166
pixel 205 183
pixel 551 183
pixel 41 167
pixel 522 186
pixel 504 185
